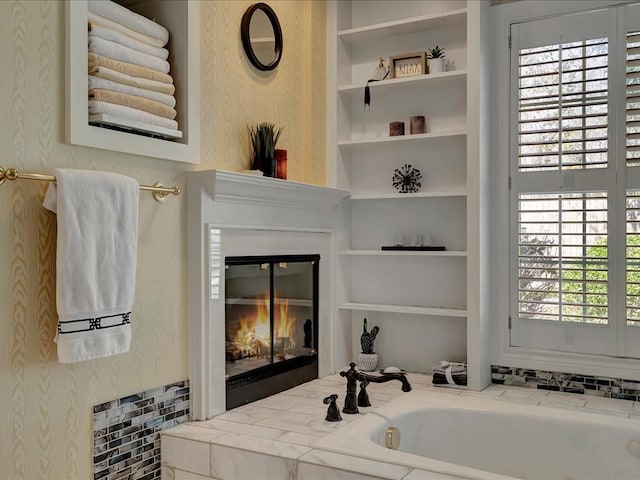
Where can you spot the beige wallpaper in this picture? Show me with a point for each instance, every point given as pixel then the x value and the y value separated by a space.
pixel 45 407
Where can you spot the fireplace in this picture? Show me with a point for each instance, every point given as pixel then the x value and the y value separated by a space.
pixel 271 325
pixel 232 215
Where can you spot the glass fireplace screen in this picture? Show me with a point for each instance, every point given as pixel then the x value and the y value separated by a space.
pixel 270 312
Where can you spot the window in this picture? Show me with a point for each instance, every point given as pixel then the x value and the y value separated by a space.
pixel 575 183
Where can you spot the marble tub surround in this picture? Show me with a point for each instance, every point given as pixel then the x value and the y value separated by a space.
pixel 272 438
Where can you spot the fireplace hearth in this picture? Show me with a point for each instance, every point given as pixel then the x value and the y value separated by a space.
pixel 271 325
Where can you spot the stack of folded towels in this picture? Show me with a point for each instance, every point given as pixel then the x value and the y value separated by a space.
pixel 450 374
pixel 129 81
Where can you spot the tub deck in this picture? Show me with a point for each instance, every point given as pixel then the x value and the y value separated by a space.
pixel 272 438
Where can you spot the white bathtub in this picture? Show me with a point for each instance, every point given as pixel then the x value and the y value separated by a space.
pixel 480 438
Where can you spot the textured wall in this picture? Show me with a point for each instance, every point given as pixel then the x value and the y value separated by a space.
pixel 45 407
pixel 235 94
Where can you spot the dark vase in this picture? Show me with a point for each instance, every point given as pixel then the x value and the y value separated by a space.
pixel 266 165
pixel 269 167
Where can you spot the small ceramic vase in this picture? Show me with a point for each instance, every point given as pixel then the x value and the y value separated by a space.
pixel 367 361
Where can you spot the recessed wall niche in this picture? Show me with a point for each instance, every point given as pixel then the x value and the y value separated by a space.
pixel 182 21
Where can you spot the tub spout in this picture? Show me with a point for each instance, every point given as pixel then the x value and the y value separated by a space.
pixel 385 377
pixel 353 376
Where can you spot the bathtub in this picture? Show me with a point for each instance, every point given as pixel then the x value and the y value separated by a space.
pixel 480 438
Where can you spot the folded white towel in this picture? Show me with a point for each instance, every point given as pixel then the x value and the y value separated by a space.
pixel 115 76
pixel 124 16
pixel 96 30
pixel 119 52
pixel 452 367
pixel 97 216
pixel 96 19
pixel 96 106
pixel 103 83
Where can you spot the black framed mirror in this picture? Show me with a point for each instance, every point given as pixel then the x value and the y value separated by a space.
pixel 261 36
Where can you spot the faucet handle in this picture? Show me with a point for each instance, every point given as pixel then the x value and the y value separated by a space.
pixel 331 398
pixel 333 412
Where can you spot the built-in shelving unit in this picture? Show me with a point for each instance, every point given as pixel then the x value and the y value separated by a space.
pixel 182 19
pixel 426 302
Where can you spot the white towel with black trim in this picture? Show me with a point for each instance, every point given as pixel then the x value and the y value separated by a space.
pixel 450 373
pixel 96 254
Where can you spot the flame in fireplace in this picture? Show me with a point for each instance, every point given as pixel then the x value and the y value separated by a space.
pixel 253 330
pixel 252 334
pixel 284 324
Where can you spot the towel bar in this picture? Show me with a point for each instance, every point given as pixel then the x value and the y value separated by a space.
pixel 159 190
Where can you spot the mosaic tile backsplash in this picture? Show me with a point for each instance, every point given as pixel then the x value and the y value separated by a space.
pixel 567 382
pixel 126 438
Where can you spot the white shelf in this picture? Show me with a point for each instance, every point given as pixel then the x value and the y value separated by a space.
pixel 134 126
pixel 407 309
pixel 389 196
pixel 402 83
pixel 400 253
pixel 402 138
pixel 452 18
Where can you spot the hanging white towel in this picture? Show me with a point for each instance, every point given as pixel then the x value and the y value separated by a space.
pixel 97 216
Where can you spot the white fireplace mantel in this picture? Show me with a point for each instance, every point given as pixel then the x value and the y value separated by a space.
pixel 251 215
pixel 244 188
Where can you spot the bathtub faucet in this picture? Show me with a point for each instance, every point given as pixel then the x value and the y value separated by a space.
pixel 353 376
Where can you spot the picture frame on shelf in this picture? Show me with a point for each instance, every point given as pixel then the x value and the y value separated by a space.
pixel 408 65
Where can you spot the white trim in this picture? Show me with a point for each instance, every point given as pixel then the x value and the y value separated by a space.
pixel 177 16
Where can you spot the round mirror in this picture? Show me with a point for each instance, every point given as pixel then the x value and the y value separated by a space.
pixel 261 36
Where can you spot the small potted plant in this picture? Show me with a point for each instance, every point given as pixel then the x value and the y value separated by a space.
pixel 368 358
pixel 436 59
pixel 264 138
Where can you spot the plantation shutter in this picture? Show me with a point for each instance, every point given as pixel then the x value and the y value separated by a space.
pixel 560 151
pixel 562 106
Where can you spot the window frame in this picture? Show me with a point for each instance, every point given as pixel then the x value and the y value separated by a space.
pixel 500 21
pixel 557 335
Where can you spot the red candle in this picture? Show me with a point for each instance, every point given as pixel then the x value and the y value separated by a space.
pixel 281 163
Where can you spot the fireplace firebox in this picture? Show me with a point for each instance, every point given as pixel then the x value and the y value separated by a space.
pixel 271 325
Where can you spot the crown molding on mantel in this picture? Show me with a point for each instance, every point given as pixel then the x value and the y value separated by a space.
pixel 244 188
